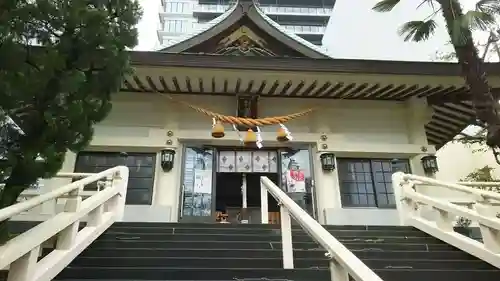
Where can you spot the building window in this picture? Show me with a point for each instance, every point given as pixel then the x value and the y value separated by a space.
pixel 176 7
pixel 176 26
pixel 141 172
pixel 367 182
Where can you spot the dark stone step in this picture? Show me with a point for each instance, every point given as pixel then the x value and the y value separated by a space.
pixel 259 238
pixel 374 246
pixel 404 231
pixel 422 275
pixel 148 273
pixel 145 273
pixel 254 226
pixel 266 263
pixel 21 226
pixel 260 263
pixel 253 253
pixel 376 264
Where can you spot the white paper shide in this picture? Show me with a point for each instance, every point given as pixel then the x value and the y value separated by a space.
pixel 244 161
pixel 227 162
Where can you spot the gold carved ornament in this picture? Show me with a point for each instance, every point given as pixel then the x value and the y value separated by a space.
pixel 251 137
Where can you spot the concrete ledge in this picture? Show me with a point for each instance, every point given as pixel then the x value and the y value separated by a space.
pixel 147 213
pixel 361 216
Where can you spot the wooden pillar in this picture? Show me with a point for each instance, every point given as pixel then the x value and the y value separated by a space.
pixel 244 206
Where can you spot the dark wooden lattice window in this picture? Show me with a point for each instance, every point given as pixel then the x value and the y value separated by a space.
pixel 141 176
pixel 367 182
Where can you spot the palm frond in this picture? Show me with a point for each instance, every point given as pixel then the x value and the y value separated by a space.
pixel 476 20
pixel 488 6
pixel 459 33
pixel 429 2
pixel 385 5
pixel 417 30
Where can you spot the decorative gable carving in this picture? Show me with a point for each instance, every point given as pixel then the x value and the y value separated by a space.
pixel 243 42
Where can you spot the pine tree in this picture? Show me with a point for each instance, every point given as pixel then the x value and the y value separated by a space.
pixel 60 63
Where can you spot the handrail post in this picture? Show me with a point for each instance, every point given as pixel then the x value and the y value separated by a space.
pixel 264 210
pixel 67 236
pixel 120 180
pixel 24 268
pixel 95 216
pixel 286 237
pixel 337 271
pixel 398 184
pixel 444 220
pixel 491 236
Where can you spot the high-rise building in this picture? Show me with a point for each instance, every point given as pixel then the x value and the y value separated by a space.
pixel 307 19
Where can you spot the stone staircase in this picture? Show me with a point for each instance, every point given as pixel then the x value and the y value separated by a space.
pixel 151 251
pixel 154 251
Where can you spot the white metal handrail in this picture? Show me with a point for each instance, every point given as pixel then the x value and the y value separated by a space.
pixel 479 183
pixel 342 261
pixel 481 210
pixel 101 209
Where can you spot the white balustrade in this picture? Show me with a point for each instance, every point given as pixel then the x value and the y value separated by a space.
pixel 481 208
pixel 342 261
pixel 100 210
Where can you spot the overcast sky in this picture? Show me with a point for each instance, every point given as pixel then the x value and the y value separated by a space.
pixel 354 31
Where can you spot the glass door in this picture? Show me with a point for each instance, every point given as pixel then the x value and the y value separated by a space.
pixel 297 178
pixel 197 185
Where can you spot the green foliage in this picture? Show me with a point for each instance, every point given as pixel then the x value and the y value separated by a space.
pixel 385 5
pixel 481 175
pixel 417 30
pixel 444 56
pixel 482 18
pixel 488 6
pixel 478 175
pixel 60 61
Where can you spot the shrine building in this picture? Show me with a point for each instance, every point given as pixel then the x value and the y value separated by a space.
pixel 199 123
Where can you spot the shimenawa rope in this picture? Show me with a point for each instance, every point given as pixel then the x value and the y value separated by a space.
pixel 248 122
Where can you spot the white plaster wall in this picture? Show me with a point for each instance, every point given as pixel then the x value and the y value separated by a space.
pixel 140 122
pixel 457 160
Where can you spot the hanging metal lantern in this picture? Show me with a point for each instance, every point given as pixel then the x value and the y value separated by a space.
pixel 250 138
pixel 282 135
pixel 218 130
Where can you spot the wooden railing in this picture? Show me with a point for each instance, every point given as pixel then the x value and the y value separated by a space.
pixel 100 210
pixel 342 261
pixel 481 208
